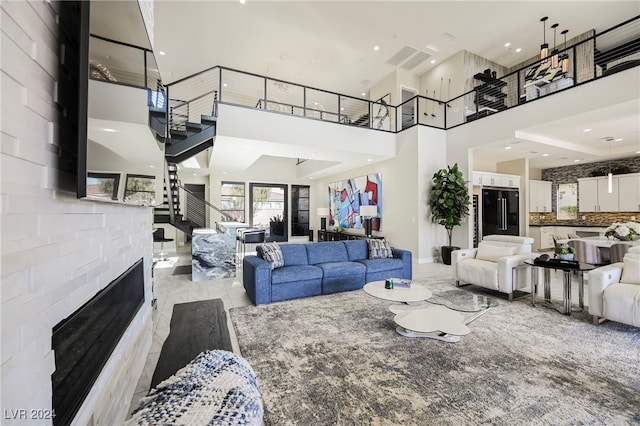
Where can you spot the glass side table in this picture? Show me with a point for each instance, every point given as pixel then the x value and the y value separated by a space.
pixel 567 270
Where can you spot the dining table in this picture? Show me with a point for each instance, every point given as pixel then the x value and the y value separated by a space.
pixel 600 241
pixel 603 243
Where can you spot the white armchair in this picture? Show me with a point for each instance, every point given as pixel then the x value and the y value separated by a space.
pixel 614 290
pixel 494 263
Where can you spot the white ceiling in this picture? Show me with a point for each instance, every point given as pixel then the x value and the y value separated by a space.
pixel 330 45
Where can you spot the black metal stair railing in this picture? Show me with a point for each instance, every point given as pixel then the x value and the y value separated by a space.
pixel 589 56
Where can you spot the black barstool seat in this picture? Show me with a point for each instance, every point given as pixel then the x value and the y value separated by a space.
pixel 158 237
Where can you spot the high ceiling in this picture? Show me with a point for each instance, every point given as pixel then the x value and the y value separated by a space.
pixel 330 44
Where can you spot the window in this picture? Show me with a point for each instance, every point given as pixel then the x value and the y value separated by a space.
pixel 140 189
pixel 232 199
pixel 299 210
pixel 103 185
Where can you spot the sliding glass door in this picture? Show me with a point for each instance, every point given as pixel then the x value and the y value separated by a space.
pixel 269 209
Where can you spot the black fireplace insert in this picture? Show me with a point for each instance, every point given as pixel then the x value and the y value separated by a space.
pixel 83 342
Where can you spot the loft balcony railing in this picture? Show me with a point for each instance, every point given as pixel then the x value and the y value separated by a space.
pixel 590 56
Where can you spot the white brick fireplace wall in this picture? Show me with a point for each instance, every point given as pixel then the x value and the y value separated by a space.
pixel 57 251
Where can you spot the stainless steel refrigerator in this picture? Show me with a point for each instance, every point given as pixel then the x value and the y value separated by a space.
pixel 500 212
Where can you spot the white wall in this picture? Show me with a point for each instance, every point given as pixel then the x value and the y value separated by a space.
pixel 451 68
pixel 57 251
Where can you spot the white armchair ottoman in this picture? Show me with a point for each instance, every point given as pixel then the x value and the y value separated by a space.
pixel 614 290
pixel 494 263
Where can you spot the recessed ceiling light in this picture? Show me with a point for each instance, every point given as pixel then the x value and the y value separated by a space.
pixel 576 161
pixel 224 84
pixel 545 155
pixel 433 61
pixel 519 49
pixel 368 159
pixel 364 94
pixel 152 166
pixel 507 44
pixel 586 130
pixel 376 48
pixel 161 53
pixel 507 147
pixel 618 139
pixel 243 1
pixel 105 129
pixel 341 108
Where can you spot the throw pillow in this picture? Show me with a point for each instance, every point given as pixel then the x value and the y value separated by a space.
pixel 379 249
pixel 631 269
pixel 272 253
pixel 492 253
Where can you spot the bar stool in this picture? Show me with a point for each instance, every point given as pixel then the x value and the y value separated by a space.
pixel 252 236
pixel 158 237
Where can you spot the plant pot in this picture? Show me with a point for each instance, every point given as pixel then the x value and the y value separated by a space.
pixel 445 251
pixel 568 256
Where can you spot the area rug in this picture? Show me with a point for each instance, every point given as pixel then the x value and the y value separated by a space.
pixel 337 360
pixel 182 270
pixel 195 327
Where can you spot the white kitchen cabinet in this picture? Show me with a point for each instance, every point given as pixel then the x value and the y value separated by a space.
pixel 496 179
pixel 477 179
pixel 594 195
pixel 629 192
pixel 540 196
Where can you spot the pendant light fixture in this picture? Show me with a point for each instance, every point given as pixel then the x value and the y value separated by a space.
pixel 544 47
pixel 609 175
pixel 564 58
pixel 555 60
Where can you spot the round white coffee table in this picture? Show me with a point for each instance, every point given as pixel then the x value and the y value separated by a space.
pixel 419 320
pixel 415 293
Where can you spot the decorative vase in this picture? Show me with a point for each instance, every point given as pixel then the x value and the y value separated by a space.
pixel 568 256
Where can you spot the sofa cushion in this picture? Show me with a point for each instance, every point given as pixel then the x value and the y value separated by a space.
pixel 356 249
pixel 378 265
pixel 379 249
pixel 329 251
pixel 295 273
pixel 341 269
pixel 492 252
pixel 631 269
pixel 294 254
pixel 272 254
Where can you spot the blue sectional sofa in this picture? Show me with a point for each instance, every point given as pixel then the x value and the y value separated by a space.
pixel 311 269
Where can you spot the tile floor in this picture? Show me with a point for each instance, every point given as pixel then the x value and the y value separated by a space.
pixel 171 289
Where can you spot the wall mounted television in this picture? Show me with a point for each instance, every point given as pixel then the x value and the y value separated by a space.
pixel 71 98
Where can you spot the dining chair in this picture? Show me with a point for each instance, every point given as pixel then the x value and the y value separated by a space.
pixel 587 252
pixel 617 252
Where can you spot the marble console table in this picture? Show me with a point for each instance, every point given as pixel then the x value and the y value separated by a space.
pixel 212 255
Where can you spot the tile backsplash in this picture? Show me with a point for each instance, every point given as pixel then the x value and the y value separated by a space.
pixel 590 219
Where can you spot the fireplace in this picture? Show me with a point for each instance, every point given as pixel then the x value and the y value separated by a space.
pixel 83 342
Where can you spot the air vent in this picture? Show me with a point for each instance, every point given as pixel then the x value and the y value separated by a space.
pixel 441 42
pixel 402 55
pixel 415 60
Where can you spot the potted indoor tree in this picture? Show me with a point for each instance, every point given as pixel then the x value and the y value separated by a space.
pixel 449 203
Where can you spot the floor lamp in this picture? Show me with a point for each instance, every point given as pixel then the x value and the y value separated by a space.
pixel 323 212
pixel 367 212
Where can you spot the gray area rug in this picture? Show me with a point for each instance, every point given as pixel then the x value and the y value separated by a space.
pixel 337 359
pixel 182 270
pixel 195 327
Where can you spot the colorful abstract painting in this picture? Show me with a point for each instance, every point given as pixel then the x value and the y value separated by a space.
pixel 346 197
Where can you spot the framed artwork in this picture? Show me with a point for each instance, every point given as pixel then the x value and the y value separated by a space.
pixel 347 196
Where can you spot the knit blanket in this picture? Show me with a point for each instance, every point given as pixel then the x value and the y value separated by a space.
pixel 216 388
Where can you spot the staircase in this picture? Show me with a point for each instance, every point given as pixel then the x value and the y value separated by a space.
pixel 183 139
pixel 170 210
